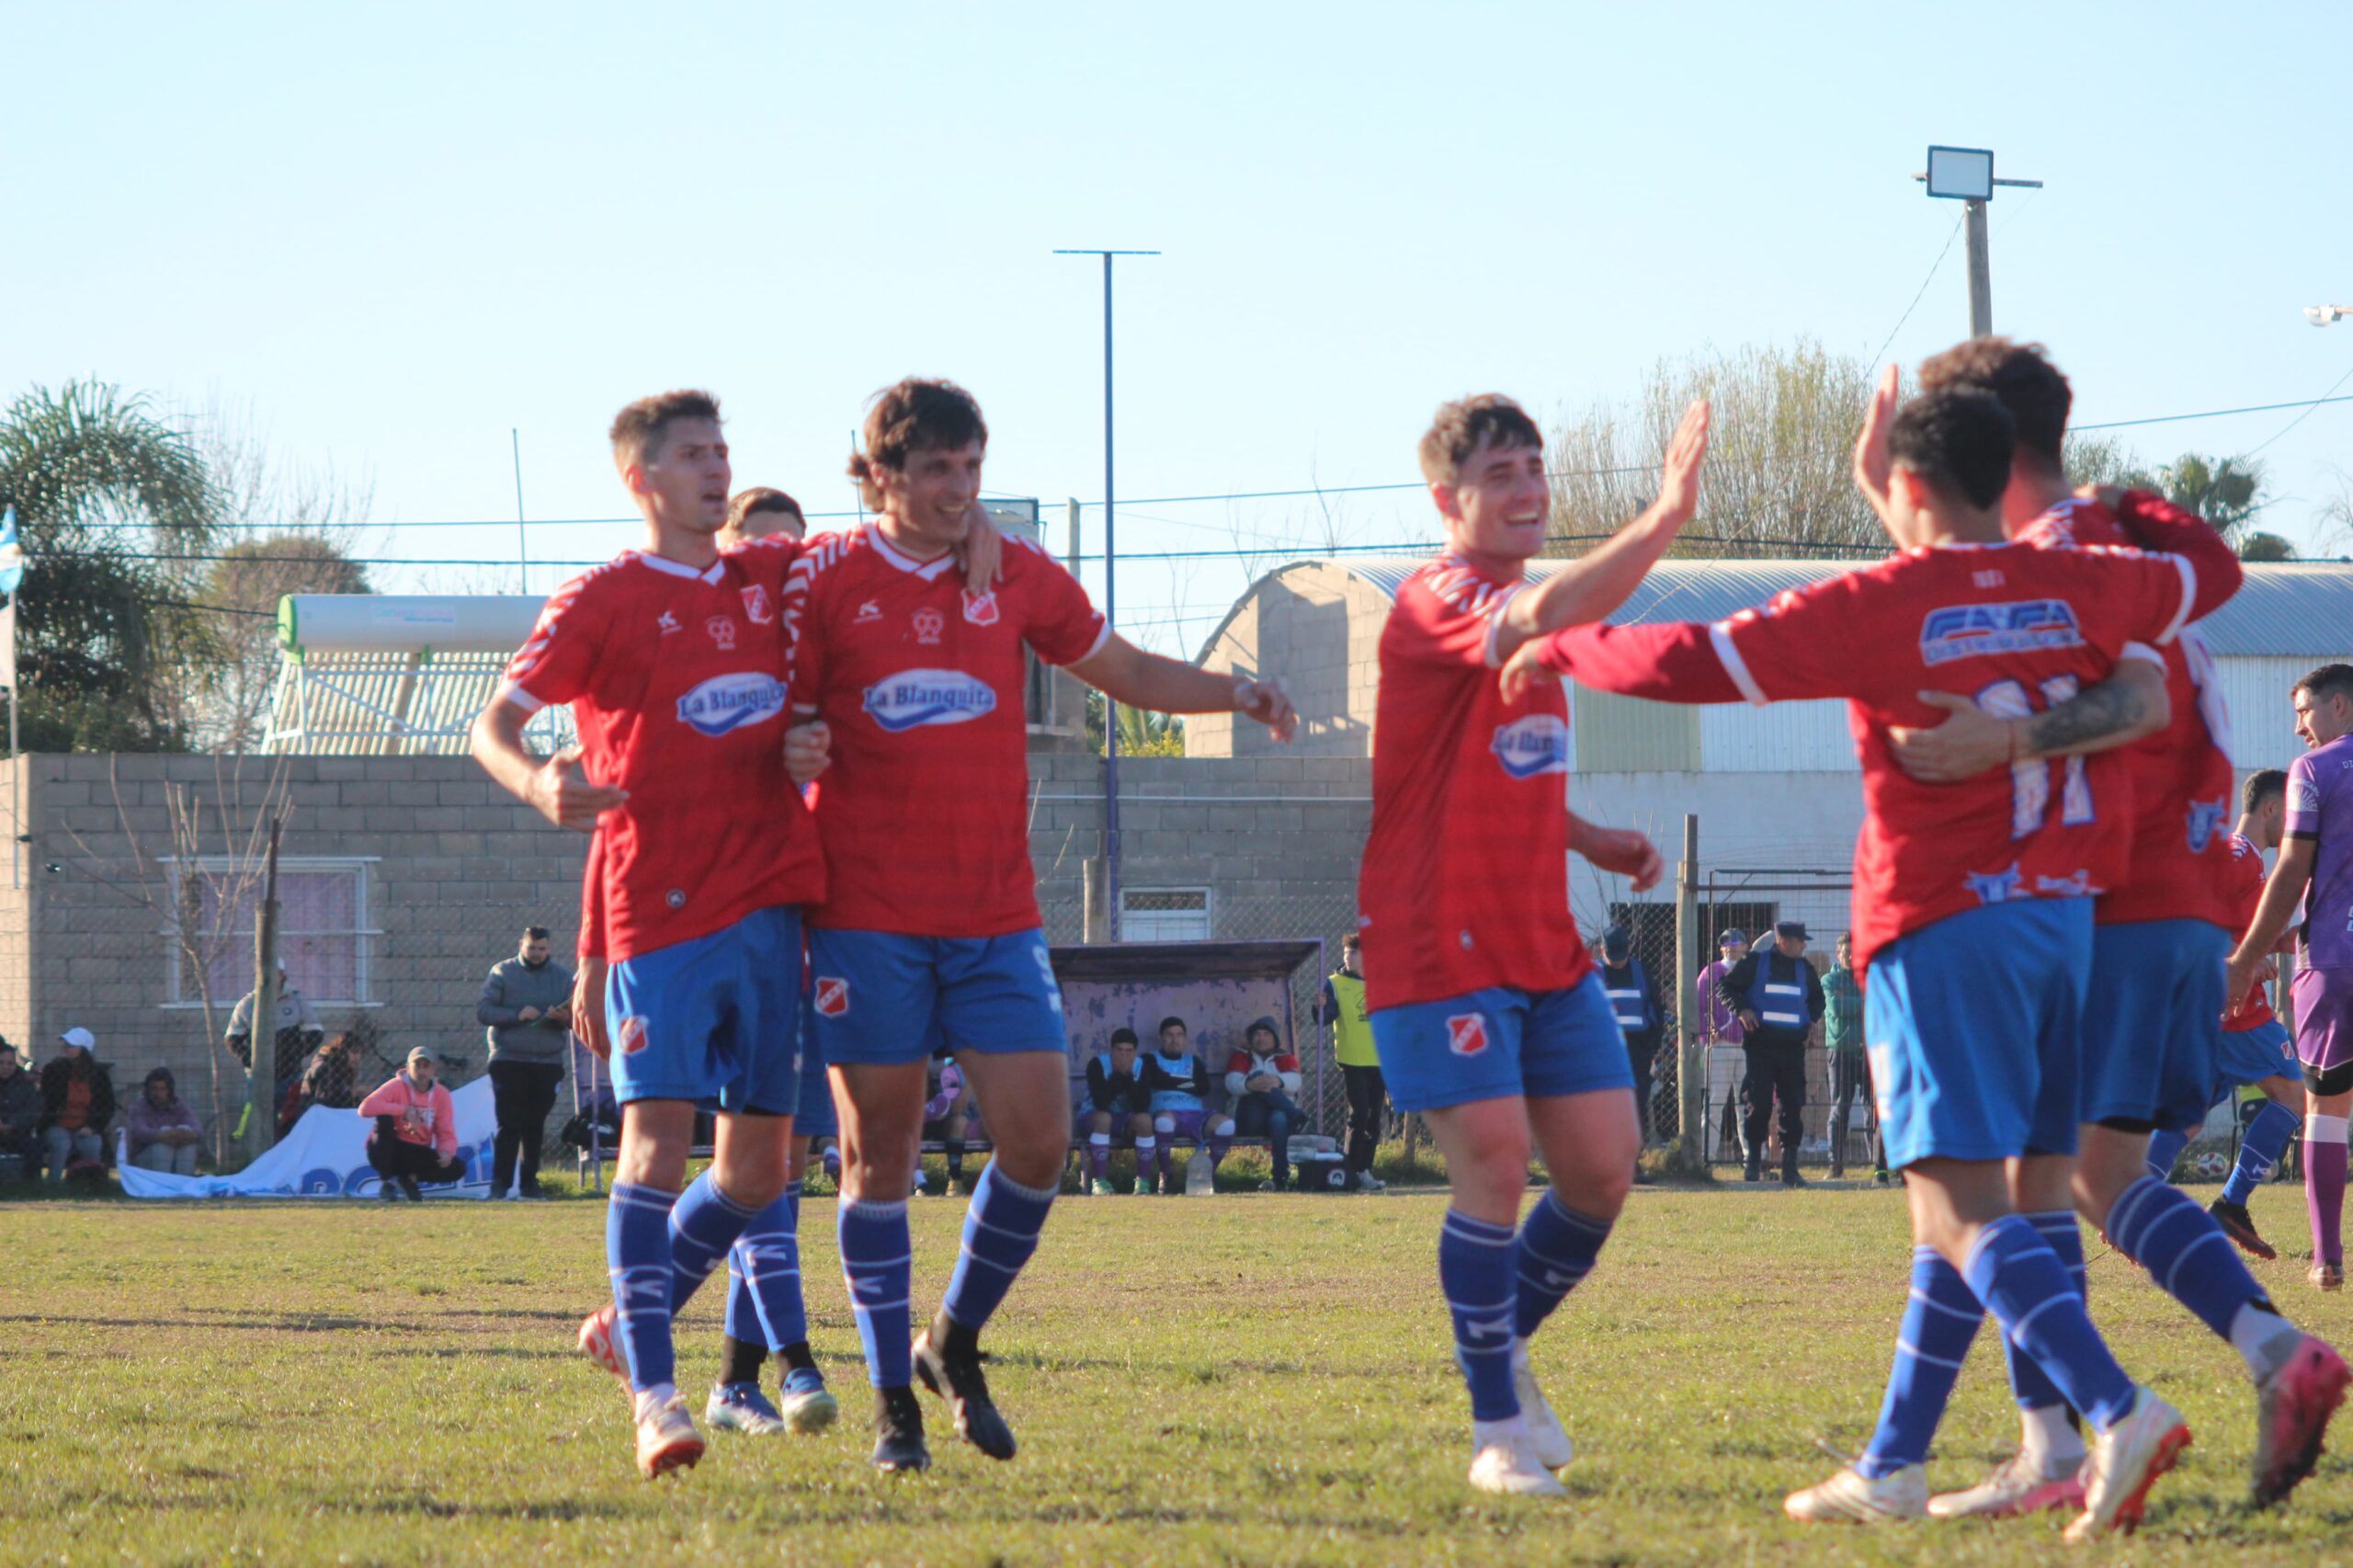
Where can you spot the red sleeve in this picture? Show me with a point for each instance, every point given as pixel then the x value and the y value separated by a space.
pixel 1062 625
pixel 1286 1063
pixel 804 631
pixel 1802 645
pixel 556 664
pixel 1447 617
pixel 1238 1062
pixel 2162 597
pixel 2154 523
pixel 591 901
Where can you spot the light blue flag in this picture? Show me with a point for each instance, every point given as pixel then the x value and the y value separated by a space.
pixel 12 554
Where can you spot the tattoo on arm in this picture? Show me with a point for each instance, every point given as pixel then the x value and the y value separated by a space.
pixel 2103 710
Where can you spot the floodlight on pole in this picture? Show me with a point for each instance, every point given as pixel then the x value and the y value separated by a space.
pixel 2321 315
pixel 1111 616
pixel 1966 175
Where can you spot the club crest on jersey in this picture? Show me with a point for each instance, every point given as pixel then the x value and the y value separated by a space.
pixel 929 624
pixel 722 631
pixel 756 607
pixel 1967 631
pixel 980 608
pixel 1466 1033
pixel 832 996
pixel 724 704
pixel 1538 744
pixel 630 1035
pixel 2206 819
pixel 914 697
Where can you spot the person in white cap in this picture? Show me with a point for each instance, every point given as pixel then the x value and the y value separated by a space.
pixel 416 1130
pixel 299 1034
pixel 77 1101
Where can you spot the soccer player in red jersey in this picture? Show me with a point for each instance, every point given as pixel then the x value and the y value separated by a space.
pixel 2151 1031
pixel 674 659
pixel 1485 1009
pixel 929 930
pixel 1972 907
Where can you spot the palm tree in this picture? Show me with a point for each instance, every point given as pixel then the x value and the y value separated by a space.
pixel 107 640
pixel 2227 493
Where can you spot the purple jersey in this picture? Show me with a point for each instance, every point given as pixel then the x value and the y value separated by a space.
pixel 2320 808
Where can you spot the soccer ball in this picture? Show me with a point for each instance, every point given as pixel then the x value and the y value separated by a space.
pixel 2211 1166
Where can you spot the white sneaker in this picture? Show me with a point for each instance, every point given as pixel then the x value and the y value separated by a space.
pixel 1849 1498
pixel 1368 1182
pixel 1545 1437
pixel 2125 1461
pixel 1504 1461
pixel 2021 1484
pixel 666 1439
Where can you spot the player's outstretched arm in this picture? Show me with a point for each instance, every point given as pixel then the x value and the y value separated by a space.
pixel 1125 673
pixel 2131 703
pixel 1619 849
pixel 557 788
pixel 1591 587
pixel 1669 661
pixel 2283 890
pixel 2154 523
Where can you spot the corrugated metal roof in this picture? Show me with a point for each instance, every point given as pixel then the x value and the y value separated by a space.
pixel 2302 609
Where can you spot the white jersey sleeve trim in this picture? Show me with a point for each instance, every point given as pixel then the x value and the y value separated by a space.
pixel 2142 651
pixel 1720 638
pixel 1495 620
pixel 2188 598
pixel 510 692
pixel 1102 641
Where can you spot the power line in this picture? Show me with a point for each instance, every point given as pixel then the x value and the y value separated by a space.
pixel 2305 415
pixel 2307 404
pixel 1917 298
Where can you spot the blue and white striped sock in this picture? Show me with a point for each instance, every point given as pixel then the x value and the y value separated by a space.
pixel 2165 1148
pixel 2030 1384
pixel 2164 1230
pixel 878 1266
pixel 1555 1251
pixel 2024 1285
pixel 1939 1320
pixel 1001 1229
pixel 764 1303
pixel 1474 1271
pixel 636 1255
pixel 2260 1146
pixel 703 1224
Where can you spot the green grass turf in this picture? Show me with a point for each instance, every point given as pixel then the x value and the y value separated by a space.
pixel 1241 1379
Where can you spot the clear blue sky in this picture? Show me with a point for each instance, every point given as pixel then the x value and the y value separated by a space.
pixel 398 231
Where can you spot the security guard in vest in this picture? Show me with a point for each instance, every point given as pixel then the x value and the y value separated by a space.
pixel 1342 1007
pixel 1777 995
pixel 1634 997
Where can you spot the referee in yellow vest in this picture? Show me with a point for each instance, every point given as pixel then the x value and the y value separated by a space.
pixel 1342 1006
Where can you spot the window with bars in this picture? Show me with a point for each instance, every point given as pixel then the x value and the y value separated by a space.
pixel 323 929
pixel 1163 915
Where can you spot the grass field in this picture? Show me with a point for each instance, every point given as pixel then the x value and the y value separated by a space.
pixel 1232 1380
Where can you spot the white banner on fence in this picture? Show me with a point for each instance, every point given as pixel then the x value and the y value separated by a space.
pixel 326 1155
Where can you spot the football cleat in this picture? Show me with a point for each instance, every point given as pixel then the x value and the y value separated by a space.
pixel 1503 1461
pixel 2021 1484
pixel 2326 1277
pixel 1850 1497
pixel 2292 1411
pixel 597 1344
pixel 2239 1225
pixel 898 1432
pixel 1546 1439
pixel 2125 1461
pixel 666 1439
pixel 742 1407
pixel 959 1380
pixel 1101 1188
pixel 807 1404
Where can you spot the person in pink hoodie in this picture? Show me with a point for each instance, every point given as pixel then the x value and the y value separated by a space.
pixel 416 1130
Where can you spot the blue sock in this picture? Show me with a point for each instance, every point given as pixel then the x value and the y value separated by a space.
pixel 764 1303
pixel 637 1254
pixel 1939 1321
pixel 2030 1384
pixel 2026 1287
pixel 2164 1230
pixel 2165 1148
pixel 1474 1271
pixel 703 1225
pixel 877 1266
pixel 1001 1229
pixel 2260 1146
pixel 1555 1252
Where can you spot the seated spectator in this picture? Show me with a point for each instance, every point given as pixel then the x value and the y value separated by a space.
pixel 1261 1077
pixel 332 1080
pixel 162 1127
pixel 946 1117
pixel 1117 1101
pixel 77 1101
pixel 416 1130
pixel 1178 1083
pixel 20 1114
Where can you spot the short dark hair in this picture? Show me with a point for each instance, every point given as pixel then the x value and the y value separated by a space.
pixel 1172 1019
pixel 1957 441
pixel 912 416
pixel 1352 941
pixel 1124 1036
pixel 638 429
pixel 535 933
pixel 2329 680
pixel 760 498
pixel 2022 376
pixel 1460 427
pixel 2259 788
pixel 165 1074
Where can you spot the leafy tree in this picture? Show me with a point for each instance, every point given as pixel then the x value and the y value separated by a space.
pixel 2227 493
pixel 1141 734
pixel 241 593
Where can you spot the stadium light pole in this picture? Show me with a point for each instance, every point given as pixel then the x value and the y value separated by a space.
pixel 1110 617
pixel 1966 175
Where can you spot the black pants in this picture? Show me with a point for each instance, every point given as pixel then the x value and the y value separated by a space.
pixel 1776 1071
pixel 393 1157
pixel 523 1093
pixel 1850 1076
pixel 1640 1054
pixel 1368 1100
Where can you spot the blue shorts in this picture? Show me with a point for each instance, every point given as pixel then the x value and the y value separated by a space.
pixel 716 1020
pixel 815 1119
pixel 2249 1056
pixel 1971 1027
pixel 2150 1021
pixel 885 998
pixel 1501 1043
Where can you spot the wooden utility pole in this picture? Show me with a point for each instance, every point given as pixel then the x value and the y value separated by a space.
pixel 261 1115
pixel 1690 1157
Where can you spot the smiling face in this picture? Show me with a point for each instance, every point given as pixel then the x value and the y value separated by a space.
pixel 929 498
pixel 1499 501
pixel 682 486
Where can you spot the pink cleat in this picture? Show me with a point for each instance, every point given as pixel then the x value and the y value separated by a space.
pixel 596 1341
pixel 2293 1412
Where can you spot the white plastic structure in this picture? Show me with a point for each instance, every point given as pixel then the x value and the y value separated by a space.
pixel 396 674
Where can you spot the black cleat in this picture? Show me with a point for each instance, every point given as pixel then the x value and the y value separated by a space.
pixel 408 1185
pixel 2239 1225
pixel 898 1432
pixel 959 1380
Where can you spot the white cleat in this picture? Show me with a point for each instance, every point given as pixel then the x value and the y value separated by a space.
pixel 1545 1437
pixel 1851 1498
pixel 666 1439
pixel 809 1411
pixel 2125 1461
pixel 1504 1461
pixel 2022 1484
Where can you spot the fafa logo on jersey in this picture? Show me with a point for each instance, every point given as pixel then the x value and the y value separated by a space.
pixel 916 697
pixel 1968 632
pixel 1466 1033
pixel 2206 820
pixel 1536 744
pixel 724 704
pixel 831 997
pixel 980 608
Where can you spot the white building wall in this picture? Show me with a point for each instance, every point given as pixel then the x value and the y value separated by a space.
pixel 2263 710
pixel 1788 820
pixel 1786 737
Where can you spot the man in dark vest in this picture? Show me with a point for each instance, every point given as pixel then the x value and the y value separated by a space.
pixel 1777 995
pixel 1634 997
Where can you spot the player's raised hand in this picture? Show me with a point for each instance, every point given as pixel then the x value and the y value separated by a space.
pixel 588 1009
pixel 1525 671
pixel 982 553
pixel 561 792
pixel 1267 702
pixel 1626 852
pixel 1873 463
pixel 1967 742
pixel 1678 485
pixel 808 751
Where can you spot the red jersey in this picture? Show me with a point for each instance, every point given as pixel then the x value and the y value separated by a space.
pixel 2018 629
pixel 1466 873
pixel 2242 889
pixel 2181 775
pixel 924 810
pixel 679 681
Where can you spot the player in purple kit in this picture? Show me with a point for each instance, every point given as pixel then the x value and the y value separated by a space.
pixel 2316 868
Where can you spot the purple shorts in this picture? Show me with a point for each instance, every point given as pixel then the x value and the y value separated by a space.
pixel 2324 1000
pixel 1191 1124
